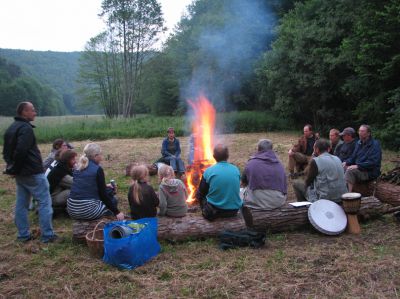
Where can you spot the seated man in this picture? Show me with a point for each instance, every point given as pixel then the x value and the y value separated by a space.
pixel 334 138
pixel 264 176
pixel 60 179
pixel 365 162
pixel 300 154
pixel 171 152
pixel 218 192
pixel 344 150
pixel 325 176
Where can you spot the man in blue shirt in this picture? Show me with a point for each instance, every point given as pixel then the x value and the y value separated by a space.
pixel 218 192
pixel 365 162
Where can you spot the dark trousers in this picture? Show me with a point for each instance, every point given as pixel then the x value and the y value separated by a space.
pixel 211 212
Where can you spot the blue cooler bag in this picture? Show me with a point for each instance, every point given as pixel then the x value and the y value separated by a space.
pixel 136 242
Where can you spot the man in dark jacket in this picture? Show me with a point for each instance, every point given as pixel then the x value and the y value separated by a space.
pixel 300 153
pixel 365 162
pixel 344 150
pixel 24 162
pixel 264 176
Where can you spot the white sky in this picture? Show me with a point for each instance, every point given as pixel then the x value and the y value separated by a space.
pixel 62 25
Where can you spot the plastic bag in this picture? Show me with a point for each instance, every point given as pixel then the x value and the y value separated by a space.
pixel 135 249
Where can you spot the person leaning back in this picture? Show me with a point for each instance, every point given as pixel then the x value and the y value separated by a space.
pixel 300 154
pixel 24 162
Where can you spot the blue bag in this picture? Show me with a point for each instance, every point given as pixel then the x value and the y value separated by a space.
pixel 135 249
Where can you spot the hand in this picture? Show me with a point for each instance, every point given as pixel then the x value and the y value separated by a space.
pixel 352 167
pixel 290 152
pixel 120 216
pixel 344 165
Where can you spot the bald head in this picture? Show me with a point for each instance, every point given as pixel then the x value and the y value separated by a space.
pixel 221 153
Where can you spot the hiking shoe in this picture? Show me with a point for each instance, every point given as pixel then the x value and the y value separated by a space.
pixel 53 239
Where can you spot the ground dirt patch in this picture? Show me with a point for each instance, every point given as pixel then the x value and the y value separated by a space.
pixel 302 264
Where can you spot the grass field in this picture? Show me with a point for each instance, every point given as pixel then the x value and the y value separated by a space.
pixel 302 264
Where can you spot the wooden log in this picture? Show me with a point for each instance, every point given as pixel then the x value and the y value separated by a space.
pixel 195 226
pixel 384 191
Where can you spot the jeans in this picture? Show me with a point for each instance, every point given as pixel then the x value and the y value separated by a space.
pixel 176 163
pixel 37 186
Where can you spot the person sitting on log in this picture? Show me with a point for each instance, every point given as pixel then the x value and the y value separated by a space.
pixel 171 153
pixel 325 176
pixel 300 154
pixel 142 199
pixel 90 198
pixel 365 162
pixel 334 138
pixel 344 150
pixel 218 192
pixel 172 193
pixel 265 179
pixel 57 145
pixel 60 179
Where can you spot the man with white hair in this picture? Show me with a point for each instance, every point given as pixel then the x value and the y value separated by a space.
pixel 265 179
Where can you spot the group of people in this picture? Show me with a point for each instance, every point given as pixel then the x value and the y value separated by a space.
pixel 331 168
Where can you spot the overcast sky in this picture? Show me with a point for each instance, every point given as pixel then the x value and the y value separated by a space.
pixel 62 25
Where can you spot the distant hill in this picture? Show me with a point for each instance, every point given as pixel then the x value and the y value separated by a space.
pixel 58 70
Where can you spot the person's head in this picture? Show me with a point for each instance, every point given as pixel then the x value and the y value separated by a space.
pixel 92 151
pixel 334 136
pixel 264 145
pixel 171 133
pixel 69 158
pixel 221 153
pixel 364 132
pixel 26 110
pixel 166 172
pixel 348 134
pixel 58 143
pixel 139 173
pixel 308 130
pixel 321 146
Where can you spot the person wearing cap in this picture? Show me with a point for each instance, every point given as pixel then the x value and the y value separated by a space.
pixel 325 176
pixel 344 150
pixel 171 152
pixel 300 154
pixel 365 162
pixel 334 138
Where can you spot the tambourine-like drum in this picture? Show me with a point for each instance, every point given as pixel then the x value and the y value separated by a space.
pixel 327 217
pixel 351 205
pixel 351 202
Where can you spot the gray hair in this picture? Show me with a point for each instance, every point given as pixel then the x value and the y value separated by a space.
pixel 264 145
pixel 90 151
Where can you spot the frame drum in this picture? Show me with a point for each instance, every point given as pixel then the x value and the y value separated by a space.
pixel 327 217
pixel 351 202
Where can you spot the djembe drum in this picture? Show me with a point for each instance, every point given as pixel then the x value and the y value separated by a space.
pixel 351 205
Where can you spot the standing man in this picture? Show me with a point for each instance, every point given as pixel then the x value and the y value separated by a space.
pixel 344 150
pixel 24 162
pixel 334 138
pixel 218 192
pixel 300 154
pixel 365 162
pixel 325 176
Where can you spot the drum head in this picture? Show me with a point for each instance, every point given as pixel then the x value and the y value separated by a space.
pixel 327 217
pixel 351 196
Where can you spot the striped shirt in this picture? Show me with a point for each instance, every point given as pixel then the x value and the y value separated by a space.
pixel 86 209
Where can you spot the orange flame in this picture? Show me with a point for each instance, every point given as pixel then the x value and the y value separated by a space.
pixel 203 132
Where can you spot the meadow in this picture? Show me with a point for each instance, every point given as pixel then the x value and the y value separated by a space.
pixel 299 264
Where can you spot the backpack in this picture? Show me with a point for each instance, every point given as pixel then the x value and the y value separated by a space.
pixel 243 238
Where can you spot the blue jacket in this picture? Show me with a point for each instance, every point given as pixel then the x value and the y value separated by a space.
pixel 164 148
pixel 367 156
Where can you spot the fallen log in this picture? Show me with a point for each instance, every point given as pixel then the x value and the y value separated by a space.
pixel 384 191
pixel 195 226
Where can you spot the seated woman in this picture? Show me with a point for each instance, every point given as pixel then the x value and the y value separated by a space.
pixel 173 193
pixel 143 201
pixel 89 198
pixel 171 152
pixel 58 144
pixel 60 179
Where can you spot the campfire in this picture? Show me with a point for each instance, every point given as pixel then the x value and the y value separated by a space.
pixel 202 143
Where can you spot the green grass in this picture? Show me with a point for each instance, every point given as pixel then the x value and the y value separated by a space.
pixel 144 126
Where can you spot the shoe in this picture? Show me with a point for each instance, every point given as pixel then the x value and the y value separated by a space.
pixel 24 239
pixel 53 239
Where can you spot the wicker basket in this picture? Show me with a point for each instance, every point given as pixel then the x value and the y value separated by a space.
pixel 95 241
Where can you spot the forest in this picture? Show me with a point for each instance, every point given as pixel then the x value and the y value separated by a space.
pixel 329 63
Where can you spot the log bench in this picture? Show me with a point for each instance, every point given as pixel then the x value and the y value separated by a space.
pixel 384 191
pixel 195 226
